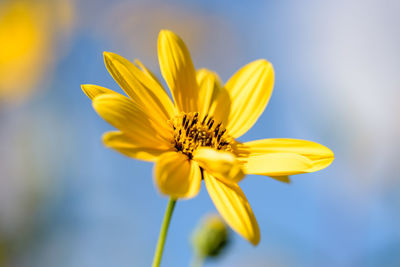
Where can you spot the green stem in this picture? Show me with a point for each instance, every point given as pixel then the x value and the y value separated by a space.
pixel 163 232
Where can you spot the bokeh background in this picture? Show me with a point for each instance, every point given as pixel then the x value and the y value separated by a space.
pixel 65 200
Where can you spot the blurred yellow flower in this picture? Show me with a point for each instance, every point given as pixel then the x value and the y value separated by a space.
pixel 27 33
pixel 193 138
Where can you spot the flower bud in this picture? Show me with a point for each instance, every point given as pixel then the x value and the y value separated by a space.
pixel 210 237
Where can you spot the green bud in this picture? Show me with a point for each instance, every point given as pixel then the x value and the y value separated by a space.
pixel 210 237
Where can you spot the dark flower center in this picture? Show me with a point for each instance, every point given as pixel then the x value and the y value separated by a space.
pixel 192 131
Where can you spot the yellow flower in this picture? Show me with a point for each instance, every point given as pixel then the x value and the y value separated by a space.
pixel 193 138
pixel 29 33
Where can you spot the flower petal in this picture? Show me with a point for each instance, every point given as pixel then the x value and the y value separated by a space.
pixel 127 146
pixel 213 99
pixel 142 89
pixel 92 90
pixel 279 157
pixel 178 70
pixel 277 164
pixel 222 165
pixel 306 148
pixel 250 90
pixel 177 176
pixel 126 116
pixel 209 87
pixel 283 179
pixel 233 206
pixel 149 73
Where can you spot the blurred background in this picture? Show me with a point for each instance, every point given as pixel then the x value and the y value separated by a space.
pixel 65 200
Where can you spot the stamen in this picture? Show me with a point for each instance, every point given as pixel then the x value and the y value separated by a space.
pixel 190 133
pixel 211 124
pixel 204 120
pixel 184 119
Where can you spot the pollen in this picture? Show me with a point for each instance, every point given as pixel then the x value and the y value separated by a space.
pixel 192 131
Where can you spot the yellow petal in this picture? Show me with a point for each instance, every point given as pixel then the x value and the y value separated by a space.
pixel 320 164
pixel 94 90
pixel 126 116
pixel 222 165
pixel 233 206
pixel 250 90
pixel 279 157
pixel 213 99
pixel 142 89
pixel 209 87
pixel 277 164
pixel 149 73
pixel 127 146
pixel 177 176
pixel 178 70
pixel 306 148
pixel 221 106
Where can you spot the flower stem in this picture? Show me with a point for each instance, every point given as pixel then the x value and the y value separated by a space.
pixel 163 232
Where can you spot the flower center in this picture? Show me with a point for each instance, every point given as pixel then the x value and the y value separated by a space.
pixel 191 132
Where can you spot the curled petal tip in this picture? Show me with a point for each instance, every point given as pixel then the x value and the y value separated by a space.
pixel 255 240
